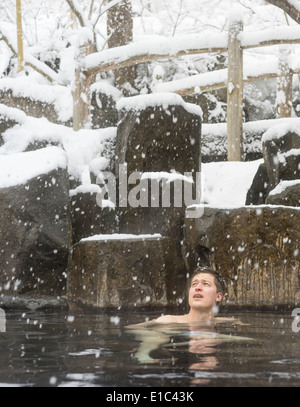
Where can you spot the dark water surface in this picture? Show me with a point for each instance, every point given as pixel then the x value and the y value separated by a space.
pixel 85 349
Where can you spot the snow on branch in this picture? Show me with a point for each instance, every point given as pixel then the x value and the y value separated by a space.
pixel 109 6
pixel 77 10
pixel 206 82
pixel 29 60
pixel 74 6
pixel 282 35
pixel 291 7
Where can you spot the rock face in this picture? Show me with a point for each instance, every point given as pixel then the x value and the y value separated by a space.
pixel 281 151
pixel 281 157
pixel 34 236
pixel 89 219
pixel 255 249
pixel 31 107
pixel 157 135
pixel 260 187
pixel 287 193
pixel 126 271
pixel 103 105
pixel 5 123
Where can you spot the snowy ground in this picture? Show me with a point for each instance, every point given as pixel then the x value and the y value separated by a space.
pixel 226 183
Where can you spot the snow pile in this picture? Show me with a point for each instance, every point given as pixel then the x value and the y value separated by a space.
pixel 116 236
pixel 84 149
pixel 10 113
pixel 141 102
pixel 225 184
pixel 107 89
pixel 283 185
pixel 59 96
pixel 281 128
pixel 17 169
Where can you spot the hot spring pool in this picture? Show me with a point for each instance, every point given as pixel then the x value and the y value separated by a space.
pixel 87 349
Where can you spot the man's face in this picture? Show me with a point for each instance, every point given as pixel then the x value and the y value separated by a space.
pixel 203 292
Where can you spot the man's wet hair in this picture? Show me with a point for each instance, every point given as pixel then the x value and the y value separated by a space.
pixel 219 280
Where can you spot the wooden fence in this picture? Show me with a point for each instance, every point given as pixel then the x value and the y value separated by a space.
pixel 89 64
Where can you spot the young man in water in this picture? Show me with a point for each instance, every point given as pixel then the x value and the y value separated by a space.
pixel 206 291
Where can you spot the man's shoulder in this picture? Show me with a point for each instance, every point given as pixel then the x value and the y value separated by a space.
pixel 169 319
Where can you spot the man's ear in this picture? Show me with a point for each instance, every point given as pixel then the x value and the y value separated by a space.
pixel 219 297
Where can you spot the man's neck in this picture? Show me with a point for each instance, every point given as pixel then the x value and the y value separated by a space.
pixel 200 315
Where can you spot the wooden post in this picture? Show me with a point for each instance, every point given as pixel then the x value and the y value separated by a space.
pixel 73 19
pixel 284 84
pixel 19 36
pixel 81 92
pixel 235 93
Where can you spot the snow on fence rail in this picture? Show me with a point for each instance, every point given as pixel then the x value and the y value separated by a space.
pixel 165 48
pixel 209 81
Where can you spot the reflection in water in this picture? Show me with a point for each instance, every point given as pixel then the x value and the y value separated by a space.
pixel 82 349
pixel 199 341
pixel 203 343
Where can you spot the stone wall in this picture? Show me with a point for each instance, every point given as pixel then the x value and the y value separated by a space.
pixel 281 152
pixel 123 271
pixel 256 249
pixel 157 134
pixel 34 236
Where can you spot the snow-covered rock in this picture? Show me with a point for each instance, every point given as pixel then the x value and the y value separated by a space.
pixel 34 223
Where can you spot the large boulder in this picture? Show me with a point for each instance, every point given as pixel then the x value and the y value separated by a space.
pixel 260 188
pixel 286 193
pixel 104 99
pixel 255 248
pixel 5 124
pixel 126 271
pixel 34 223
pixel 158 135
pixel 9 118
pixel 281 152
pixel 53 102
pixel 88 218
pixel 282 159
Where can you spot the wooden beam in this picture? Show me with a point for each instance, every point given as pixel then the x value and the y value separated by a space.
pixel 139 59
pixel 235 93
pixel 269 43
pixel 284 85
pixel 20 53
pixel 288 7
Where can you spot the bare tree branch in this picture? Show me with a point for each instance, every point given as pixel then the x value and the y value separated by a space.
pixel 91 9
pixel 31 61
pixel 289 7
pixel 77 13
pixel 105 9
